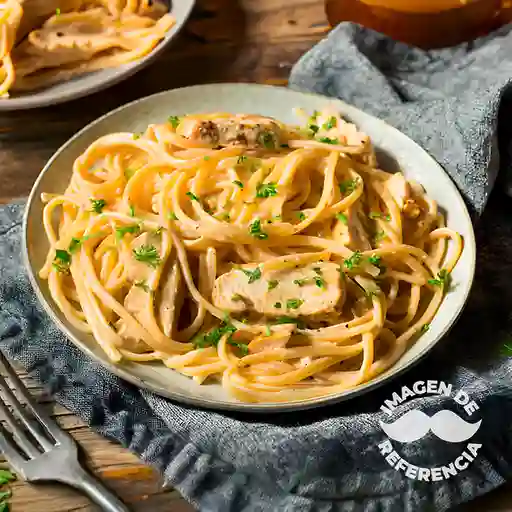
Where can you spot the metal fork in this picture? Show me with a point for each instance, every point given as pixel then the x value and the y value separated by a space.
pixel 39 450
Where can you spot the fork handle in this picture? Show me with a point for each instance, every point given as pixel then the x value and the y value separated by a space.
pixel 97 492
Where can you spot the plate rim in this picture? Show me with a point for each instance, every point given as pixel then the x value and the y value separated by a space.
pixel 131 68
pixel 259 408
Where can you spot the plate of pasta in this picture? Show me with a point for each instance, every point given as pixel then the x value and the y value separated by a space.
pixel 54 51
pixel 249 247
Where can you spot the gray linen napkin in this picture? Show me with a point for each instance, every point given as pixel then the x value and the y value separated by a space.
pixel 328 459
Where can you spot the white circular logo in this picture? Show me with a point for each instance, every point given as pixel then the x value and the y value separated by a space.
pixel 415 425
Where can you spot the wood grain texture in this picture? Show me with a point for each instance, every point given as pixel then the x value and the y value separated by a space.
pixel 226 40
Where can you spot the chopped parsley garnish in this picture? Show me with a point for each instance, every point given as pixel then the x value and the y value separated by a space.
pixel 61 261
pixel 98 205
pixel 348 186
pixel 239 184
pixel 143 285
pixel 265 190
pixel 57 11
pixel 317 270
pixel 172 216
pixel 313 128
pixel 132 210
pixel 243 347
pixel 300 282
pixel 147 254
pixel 375 260
pixel 302 216
pixel 267 139
pixel 341 217
pixel 444 279
pixel 236 297
pixel 268 331
pixel 158 231
pixel 74 245
pixel 425 327
pixel 120 232
pixel 330 123
pixel 225 216
pixel 278 305
pixel 379 215
pixel 353 261
pixel 206 158
pixel 328 140
pixel 284 146
pixel 192 196
pixel 212 337
pixel 319 281
pixel 256 231
pixel 241 159
pixel 253 275
pixel 294 303
pixel 280 320
pixel 136 136
pixel 272 284
pixel 174 120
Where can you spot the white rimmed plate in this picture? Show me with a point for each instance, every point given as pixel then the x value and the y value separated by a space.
pixel 90 83
pixel 266 100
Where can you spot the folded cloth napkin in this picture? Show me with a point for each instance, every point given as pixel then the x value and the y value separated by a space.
pixel 454 102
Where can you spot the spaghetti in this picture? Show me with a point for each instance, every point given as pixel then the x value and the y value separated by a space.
pixel 277 259
pixel 43 42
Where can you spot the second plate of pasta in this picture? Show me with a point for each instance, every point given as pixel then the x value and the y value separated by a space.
pixel 54 51
pixel 249 247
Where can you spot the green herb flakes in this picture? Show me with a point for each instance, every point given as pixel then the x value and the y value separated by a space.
pixel 444 279
pixel 272 284
pixel 97 205
pixel 294 303
pixel 123 230
pixel 174 121
pixel 192 196
pixel 147 254
pixel 256 231
pixel 353 261
pixel 142 285
pixel 347 186
pixel 253 275
pixel 328 140
pixel 342 217
pixel 265 190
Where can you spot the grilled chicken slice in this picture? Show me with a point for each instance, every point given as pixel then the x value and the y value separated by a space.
pixel 254 132
pixel 403 194
pixel 304 291
pixel 353 233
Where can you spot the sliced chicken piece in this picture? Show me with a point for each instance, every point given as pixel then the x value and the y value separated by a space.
pixel 247 131
pixel 138 271
pixel 302 291
pixel 353 232
pixel 170 299
pixel 402 192
pixel 399 189
pixel 134 302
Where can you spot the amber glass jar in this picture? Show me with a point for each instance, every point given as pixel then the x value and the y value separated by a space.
pixel 424 23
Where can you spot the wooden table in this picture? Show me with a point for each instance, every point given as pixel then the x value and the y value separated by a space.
pixel 226 40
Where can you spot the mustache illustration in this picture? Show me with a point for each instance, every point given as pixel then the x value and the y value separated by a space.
pixel 415 424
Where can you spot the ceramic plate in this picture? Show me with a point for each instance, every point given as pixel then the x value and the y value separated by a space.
pixel 271 101
pixel 96 81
